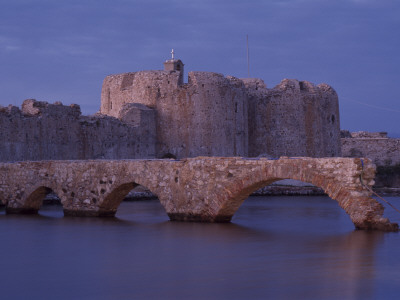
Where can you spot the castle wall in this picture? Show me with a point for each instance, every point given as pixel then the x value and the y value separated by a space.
pixel 42 131
pixel 293 119
pixel 382 150
pixel 153 114
pixel 330 119
pixel 145 87
pixel 207 116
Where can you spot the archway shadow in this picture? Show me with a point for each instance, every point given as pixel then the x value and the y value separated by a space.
pixel 37 201
pixel 133 192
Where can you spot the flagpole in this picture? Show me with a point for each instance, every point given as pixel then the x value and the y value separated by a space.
pixel 248 62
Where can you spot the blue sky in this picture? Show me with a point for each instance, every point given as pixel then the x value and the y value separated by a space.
pixel 62 50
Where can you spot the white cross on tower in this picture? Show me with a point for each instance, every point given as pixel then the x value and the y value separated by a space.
pixel 172 54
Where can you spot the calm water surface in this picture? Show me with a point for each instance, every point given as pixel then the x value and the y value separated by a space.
pixel 275 248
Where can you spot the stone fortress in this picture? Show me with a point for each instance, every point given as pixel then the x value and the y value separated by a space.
pixel 213 115
pixel 155 114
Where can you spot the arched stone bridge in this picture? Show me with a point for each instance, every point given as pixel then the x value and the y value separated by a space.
pixel 207 189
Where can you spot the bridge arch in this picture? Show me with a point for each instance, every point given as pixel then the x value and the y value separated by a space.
pixel 364 211
pixel 108 206
pixel 232 201
pixel 3 200
pixel 31 200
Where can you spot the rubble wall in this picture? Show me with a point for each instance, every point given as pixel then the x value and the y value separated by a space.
pixel 42 131
pixel 382 150
pixel 153 114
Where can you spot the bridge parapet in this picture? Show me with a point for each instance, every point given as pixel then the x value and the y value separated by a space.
pixel 207 189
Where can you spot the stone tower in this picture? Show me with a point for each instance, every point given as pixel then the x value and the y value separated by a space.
pixel 174 65
pixel 214 115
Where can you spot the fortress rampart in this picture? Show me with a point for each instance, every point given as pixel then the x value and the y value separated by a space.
pixel 213 115
pixel 154 114
pixel 42 131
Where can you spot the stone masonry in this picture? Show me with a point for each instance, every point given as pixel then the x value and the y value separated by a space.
pixel 213 115
pixel 295 118
pixel 207 116
pixel 207 189
pixel 42 131
pixel 382 150
pixel 377 146
pixel 154 114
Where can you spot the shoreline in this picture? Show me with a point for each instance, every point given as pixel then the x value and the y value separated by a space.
pixel 271 190
pixel 277 190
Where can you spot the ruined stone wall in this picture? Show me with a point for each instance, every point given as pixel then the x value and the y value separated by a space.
pixel 214 115
pixel 295 118
pixel 152 114
pixel 207 116
pixel 145 87
pixel 42 131
pixel 382 150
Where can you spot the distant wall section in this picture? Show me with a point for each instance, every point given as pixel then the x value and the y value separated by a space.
pixel 381 149
pixel 42 131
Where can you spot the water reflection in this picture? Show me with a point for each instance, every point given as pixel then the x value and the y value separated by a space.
pixel 314 266
pixel 282 248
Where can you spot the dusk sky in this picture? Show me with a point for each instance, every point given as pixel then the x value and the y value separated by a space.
pixel 62 50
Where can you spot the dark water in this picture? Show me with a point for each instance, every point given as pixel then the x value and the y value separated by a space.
pixel 275 248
